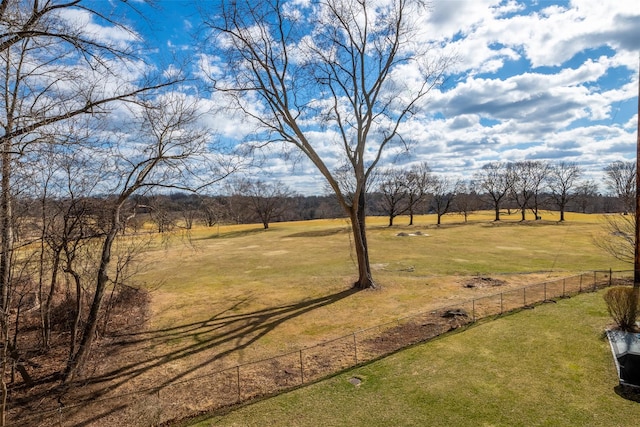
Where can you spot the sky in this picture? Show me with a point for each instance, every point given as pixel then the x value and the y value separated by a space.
pixel 536 80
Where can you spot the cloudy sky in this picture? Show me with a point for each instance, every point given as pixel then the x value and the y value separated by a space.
pixel 539 80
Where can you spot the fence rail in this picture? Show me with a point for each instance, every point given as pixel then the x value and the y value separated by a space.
pixel 286 371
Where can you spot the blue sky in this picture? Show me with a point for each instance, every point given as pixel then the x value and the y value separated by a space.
pixel 540 80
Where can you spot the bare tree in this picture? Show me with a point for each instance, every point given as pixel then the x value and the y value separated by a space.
pixel 467 200
pixel 267 200
pixel 528 180
pixel 168 142
pixel 521 189
pixel 161 213
pixel 584 194
pixel 444 192
pixel 618 239
pixel 620 179
pixel 393 188
pixel 494 179
pixel 299 67
pixel 539 172
pixel 211 210
pixel 188 206
pixel 67 226
pixel 236 205
pixel 563 179
pixel 418 182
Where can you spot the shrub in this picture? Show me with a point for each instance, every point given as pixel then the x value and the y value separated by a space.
pixel 623 307
pixel 63 315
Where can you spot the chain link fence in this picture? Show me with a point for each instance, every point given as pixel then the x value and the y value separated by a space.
pixel 242 383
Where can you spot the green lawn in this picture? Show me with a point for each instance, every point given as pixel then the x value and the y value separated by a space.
pixel 549 366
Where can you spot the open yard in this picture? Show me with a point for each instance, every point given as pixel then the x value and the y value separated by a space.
pixel 241 269
pixel 237 294
pixel 549 366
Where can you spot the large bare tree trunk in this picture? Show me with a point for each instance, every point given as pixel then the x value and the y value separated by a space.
pixel 358 227
pixel 78 315
pixel 6 230
pixel 6 246
pixel 78 359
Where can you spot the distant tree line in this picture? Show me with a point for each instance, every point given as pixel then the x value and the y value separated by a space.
pixel 526 187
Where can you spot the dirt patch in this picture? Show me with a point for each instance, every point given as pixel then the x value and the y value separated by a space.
pixel 417 233
pixel 483 282
pixel 414 331
pixel 125 312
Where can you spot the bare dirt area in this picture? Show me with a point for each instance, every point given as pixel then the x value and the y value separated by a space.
pixel 43 392
pixel 483 282
pixel 140 375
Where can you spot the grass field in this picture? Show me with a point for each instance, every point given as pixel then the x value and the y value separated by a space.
pixel 549 366
pixel 229 295
pixel 243 268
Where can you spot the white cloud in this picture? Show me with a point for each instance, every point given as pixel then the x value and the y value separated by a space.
pixel 118 35
pixel 543 80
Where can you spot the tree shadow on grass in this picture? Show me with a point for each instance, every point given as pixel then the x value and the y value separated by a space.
pixel 232 234
pixel 321 233
pixel 211 339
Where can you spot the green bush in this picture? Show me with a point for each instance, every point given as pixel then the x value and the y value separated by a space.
pixel 622 304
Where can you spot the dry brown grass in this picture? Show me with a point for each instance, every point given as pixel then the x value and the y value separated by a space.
pixel 238 294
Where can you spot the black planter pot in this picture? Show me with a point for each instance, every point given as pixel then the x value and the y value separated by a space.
pixel 625 347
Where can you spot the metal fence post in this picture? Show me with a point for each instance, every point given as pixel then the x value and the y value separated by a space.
pixel 501 303
pixel 524 297
pixel 564 287
pixel 355 348
pixel 580 284
pixel 610 277
pixel 238 379
pixel 301 369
